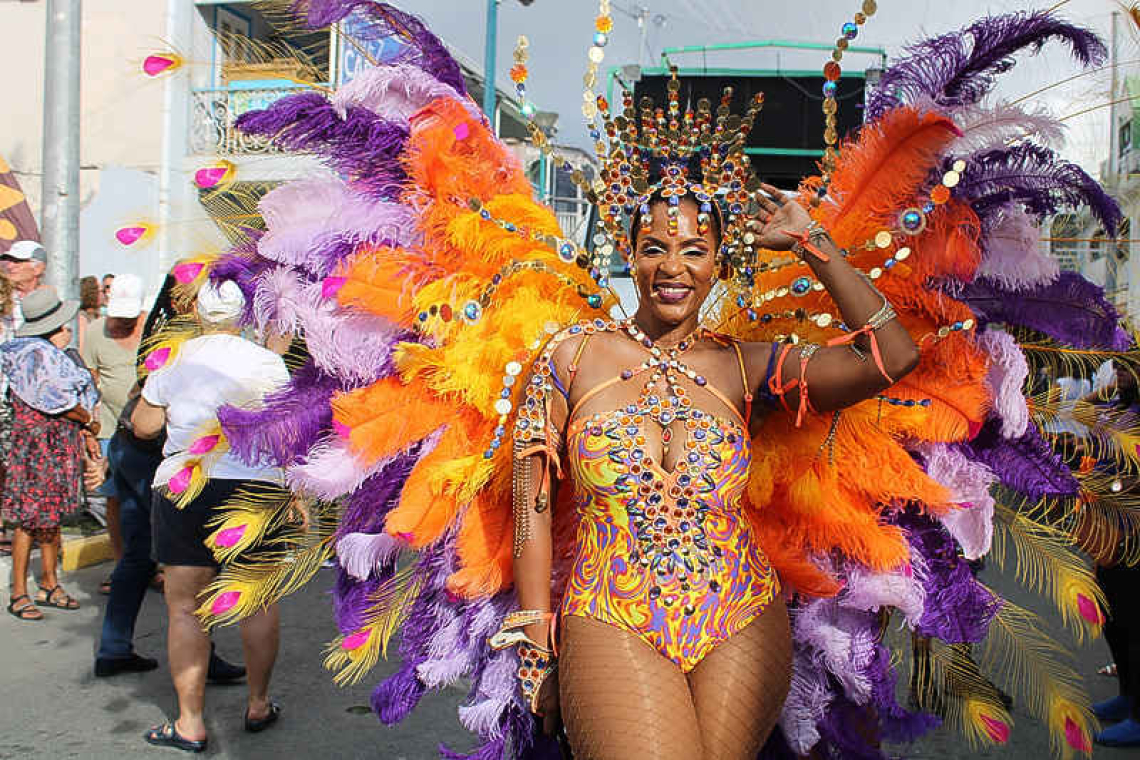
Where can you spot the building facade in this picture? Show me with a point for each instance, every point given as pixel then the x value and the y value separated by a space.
pixel 144 139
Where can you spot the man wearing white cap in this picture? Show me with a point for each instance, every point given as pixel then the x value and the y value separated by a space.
pixel 24 265
pixel 109 348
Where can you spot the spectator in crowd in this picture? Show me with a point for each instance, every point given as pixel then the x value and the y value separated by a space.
pixel 7 332
pixel 133 461
pixel 24 265
pixel 106 290
pixel 109 350
pixel 1119 583
pixel 53 400
pixel 90 301
pixel 209 371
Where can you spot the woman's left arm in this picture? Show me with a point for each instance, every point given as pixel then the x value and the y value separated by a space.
pixel 877 351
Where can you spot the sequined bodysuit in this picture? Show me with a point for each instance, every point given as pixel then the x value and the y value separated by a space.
pixel 666 555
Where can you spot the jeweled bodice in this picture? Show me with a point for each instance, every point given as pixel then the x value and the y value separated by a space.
pixel 664 553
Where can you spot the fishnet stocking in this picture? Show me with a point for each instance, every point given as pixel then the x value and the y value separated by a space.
pixel 621 699
pixel 739 688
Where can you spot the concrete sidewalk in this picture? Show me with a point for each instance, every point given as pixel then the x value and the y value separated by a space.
pixel 54 707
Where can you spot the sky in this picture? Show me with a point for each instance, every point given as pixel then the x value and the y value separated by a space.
pixel 559 33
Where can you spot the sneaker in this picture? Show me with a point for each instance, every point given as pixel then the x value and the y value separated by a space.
pixel 1117 708
pixel 1123 734
pixel 113 666
pixel 222 672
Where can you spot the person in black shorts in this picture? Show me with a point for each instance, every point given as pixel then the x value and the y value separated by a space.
pixel 183 397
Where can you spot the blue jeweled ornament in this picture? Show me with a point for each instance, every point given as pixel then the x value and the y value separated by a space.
pixel 830 89
pixel 850 30
pixel 566 251
pixel 801 286
pixel 472 311
pixel 912 220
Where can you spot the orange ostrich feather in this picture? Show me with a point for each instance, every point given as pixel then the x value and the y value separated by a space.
pixel 428 502
pixel 485 544
pixel 387 417
pixel 882 170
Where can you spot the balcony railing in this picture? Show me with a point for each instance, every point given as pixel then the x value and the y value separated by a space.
pixel 214 111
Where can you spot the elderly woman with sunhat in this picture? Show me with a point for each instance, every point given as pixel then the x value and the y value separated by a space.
pixel 53 397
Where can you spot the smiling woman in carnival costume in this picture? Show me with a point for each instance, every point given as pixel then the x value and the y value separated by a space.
pixel 627 513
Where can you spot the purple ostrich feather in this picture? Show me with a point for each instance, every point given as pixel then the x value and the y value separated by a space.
pixel 360 144
pixel 896 723
pixel 1027 464
pixel 958 608
pixel 289 422
pixel 371 502
pixel 960 68
pixel 1035 177
pixel 1070 309
pixel 421 47
pixel 243 266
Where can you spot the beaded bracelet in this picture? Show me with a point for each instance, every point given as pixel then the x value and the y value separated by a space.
pixel 807 241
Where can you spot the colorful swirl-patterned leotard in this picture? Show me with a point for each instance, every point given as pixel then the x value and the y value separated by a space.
pixel 667 556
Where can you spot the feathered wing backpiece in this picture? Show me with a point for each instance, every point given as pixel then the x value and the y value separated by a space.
pixel 936 199
pixel 423 277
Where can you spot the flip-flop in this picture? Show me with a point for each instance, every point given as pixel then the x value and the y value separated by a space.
pixel 68 602
pixel 167 735
pixel 28 612
pixel 253 725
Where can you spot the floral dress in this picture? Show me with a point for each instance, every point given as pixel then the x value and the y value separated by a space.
pixel 45 457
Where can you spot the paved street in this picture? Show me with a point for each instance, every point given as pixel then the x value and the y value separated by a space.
pixel 53 707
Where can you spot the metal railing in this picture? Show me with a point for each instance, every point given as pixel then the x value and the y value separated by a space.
pixel 572 214
pixel 213 112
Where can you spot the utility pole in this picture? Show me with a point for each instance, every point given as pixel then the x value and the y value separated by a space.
pixel 489 94
pixel 60 211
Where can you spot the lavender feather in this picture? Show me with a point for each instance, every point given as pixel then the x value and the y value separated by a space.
pixel 310 221
pixel 1027 464
pixel 363 554
pixel 1071 310
pixel 396 92
pixel 972 523
pixel 1005 380
pixel 358 143
pixel 1035 177
pixel 961 67
pixel 1011 251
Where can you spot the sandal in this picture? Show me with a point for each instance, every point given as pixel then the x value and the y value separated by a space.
pixel 167 735
pixel 1108 670
pixel 255 725
pixel 105 587
pixel 52 598
pixel 28 611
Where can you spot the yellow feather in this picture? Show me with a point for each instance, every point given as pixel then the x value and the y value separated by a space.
pixel 353 654
pixel 1046 564
pixel 1036 671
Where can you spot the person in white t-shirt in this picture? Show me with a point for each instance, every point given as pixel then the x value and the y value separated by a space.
pixel 219 368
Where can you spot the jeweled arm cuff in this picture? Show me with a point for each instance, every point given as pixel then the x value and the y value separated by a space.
pixel 536 661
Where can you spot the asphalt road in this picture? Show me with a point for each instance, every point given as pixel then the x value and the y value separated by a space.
pixel 52 706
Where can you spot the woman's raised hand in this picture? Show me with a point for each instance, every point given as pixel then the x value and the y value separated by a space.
pixel 778 215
